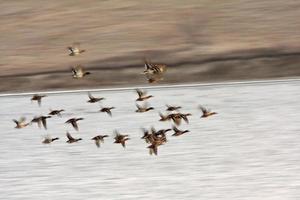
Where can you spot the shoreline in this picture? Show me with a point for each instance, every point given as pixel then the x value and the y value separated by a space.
pixel 163 86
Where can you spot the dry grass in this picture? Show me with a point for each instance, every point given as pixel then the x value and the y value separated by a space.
pixel 191 36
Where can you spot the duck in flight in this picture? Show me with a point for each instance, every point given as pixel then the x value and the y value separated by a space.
pixel 144 108
pixel 21 123
pixel 79 72
pixel 172 108
pixel 98 139
pixel 152 69
pixel 41 120
pixel 206 112
pixel 71 139
pixel 94 99
pixel 56 112
pixel 178 132
pixel 38 98
pixel 73 122
pixel 75 50
pixel 107 110
pixel 120 139
pixel 49 140
pixel 142 95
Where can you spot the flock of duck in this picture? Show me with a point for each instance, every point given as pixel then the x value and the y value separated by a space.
pixel 155 138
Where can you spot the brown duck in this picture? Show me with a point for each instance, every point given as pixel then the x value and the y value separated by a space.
pixel 21 123
pixel 41 120
pixel 153 148
pixel 177 118
pixel 73 121
pixel 178 132
pixel 206 112
pixel 49 140
pixel 144 108
pixel 142 95
pixel 94 99
pixel 107 110
pixel 38 98
pixel 164 117
pixel 98 139
pixel 120 139
pixel 153 69
pixel 75 49
pixel 172 108
pixel 71 139
pixel 79 72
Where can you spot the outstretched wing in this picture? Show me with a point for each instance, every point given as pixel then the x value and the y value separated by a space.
pixel 44 121
pixel 204 110
pixel 74 124
pixel 69 136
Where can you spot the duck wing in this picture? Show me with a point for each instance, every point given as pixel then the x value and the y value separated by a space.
pixel 74 124
pixel 69 136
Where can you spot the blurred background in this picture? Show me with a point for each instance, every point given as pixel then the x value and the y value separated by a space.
pixel 202 40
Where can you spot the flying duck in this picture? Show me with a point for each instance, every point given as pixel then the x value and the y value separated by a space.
pixel 49 140
pixel 206 112
pixel 38 98
pixel 79 72
pixel 144 108
pixel 56 112
pixel 71 139
pixel 107 110
pixel 75 49
pixel 98 139
pixel 21 123
pixel 120 139
pixel 172 108
pixel 40 120
pixel 94 99
pixel 142 95
pixel 178 132
pixel 73 121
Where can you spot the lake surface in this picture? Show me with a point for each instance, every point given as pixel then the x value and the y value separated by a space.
pixel 250 150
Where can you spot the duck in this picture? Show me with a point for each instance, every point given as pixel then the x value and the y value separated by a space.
pixel 153 148
pixel 147 136
pixel 151 68
pixel 177 117
pixel 94 99
pixel 164 117
pixel 79 72
pixel 178 132
pixel 162 132
pixel 40 120
pixel 141 109
pixel 120 139
pixel 73 121
pixel 158 135
pixel 75 49
pixel 172 108
pixel 21 123
pixel 184 117
pixel 107 110
pixel 38 98
pixel 142 95
pixel 49 140
pixel 56 112
pixel 71 139
pixel 98 139
pixel 206 112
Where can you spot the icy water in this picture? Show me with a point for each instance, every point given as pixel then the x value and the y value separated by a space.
pixel 250 150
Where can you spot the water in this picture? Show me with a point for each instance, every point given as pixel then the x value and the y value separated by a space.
pixel 250 150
